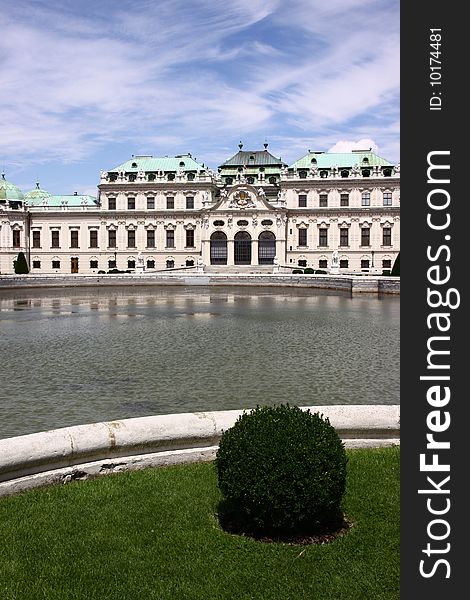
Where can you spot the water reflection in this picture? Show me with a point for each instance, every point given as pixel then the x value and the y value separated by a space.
pixel 99 354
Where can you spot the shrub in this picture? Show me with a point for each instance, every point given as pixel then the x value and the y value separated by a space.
pixel 320 272
pixel 309 270
pixel 385 271
pixel 396 266
pixel 282 470
pixel 20 264
pixel 297 271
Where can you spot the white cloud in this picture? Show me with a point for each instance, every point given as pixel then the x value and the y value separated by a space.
pixel 348 146
pixel 173 76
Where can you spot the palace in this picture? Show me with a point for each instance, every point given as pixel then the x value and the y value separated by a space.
pixel 325 211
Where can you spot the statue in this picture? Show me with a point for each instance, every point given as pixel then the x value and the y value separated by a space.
pixel 334 258
pixel 140 263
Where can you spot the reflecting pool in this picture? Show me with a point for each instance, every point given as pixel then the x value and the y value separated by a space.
pixel 72 356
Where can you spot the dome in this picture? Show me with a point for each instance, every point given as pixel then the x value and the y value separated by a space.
pixel 8 191
pixel 37 195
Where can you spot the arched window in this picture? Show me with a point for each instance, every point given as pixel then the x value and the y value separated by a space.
pixel 219 223
pixel 344 173
pixel 171 176
pixel 191 176
pixel 266 248
pixel 242 223
pixel 251 180
pixel 323 173
pixel 303 174
pixel 272 180
pixel 170 264
pixel 229 180
pixel 387 172
pixel 242 248
pixel 218 248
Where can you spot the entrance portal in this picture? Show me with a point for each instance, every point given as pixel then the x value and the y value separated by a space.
pixel 266 248
pixel 242 248
pixel 218 248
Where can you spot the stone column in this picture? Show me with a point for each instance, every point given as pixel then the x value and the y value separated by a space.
pixel 230 253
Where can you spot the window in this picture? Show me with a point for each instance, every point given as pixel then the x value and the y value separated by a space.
pixel 323 174
pixel 323 237
pixel 344 200
pixel 344 236
pixel 302 237
pixel 112 203
pixel 170 264
pixel 189 238
pixel 386 263
pixel 266 222
pixel 303 174
pixel 242 223
pixel 112 238
pixel 387 172
pixel 344 173
pixel 365 236
pixel 112 264
pixel 323 263
pixel 170 239
pixel 131 264
pixel 170 202
pixel 365 263
pixel 55 239
pixel 93 238
pixel 387 236
pixel 189 202
pixel 302 262
pixel 344 264
pixel 131 238
pixel 170 176
pixel 93 264
pixel 229 180
pixel 150 202
pixel 251 180
pixel 219 223
pixel 365 198
pixel 74 239
pixel 36 239
pixel 132 177
pixel 151 177
pixel 272 180
pixel 387 198
pixel 131 204
pixel 150 264
pixel 191 176
pixel 16 238
pixel 365 173
pixel 56 264
pixel 190 262
pixel 150 238
pixel 323 200
pixel 36 264
pixel 302 200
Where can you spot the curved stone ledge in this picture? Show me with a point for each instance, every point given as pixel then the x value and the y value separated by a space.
pixel 83 451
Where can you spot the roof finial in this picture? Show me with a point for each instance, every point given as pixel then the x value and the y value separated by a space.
pixel 265 144
pixel 240 145
pixel 3 174
pixel 37 185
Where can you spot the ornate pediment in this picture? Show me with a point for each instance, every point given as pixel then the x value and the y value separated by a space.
pixel 242 197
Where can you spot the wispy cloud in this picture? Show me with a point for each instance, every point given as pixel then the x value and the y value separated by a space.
pixel 80 77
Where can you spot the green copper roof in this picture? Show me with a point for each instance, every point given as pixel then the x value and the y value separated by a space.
pixel 327 160
pixel 184 162
pixel 36 194
pixel 256 158
pixel 68 201
pixel 8 191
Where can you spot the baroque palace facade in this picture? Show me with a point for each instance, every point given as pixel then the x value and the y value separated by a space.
pixel 329 211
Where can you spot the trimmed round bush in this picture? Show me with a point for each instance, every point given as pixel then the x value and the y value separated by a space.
pixel 282 470
pixel 294 271
pixel 309 271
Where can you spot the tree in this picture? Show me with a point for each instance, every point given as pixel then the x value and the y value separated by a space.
pixel 396 266
pixel 21 266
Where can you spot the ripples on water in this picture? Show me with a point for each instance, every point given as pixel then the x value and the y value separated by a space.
pixel 77 356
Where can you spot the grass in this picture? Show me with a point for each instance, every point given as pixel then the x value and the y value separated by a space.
pixel 154 534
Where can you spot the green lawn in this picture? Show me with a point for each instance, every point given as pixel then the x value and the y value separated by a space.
pixel 154 534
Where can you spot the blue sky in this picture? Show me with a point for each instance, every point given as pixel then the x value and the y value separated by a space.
pixel 88 83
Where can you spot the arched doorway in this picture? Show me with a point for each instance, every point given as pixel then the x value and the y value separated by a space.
pixel 218 248
pixel 266 248
pixel 242 248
